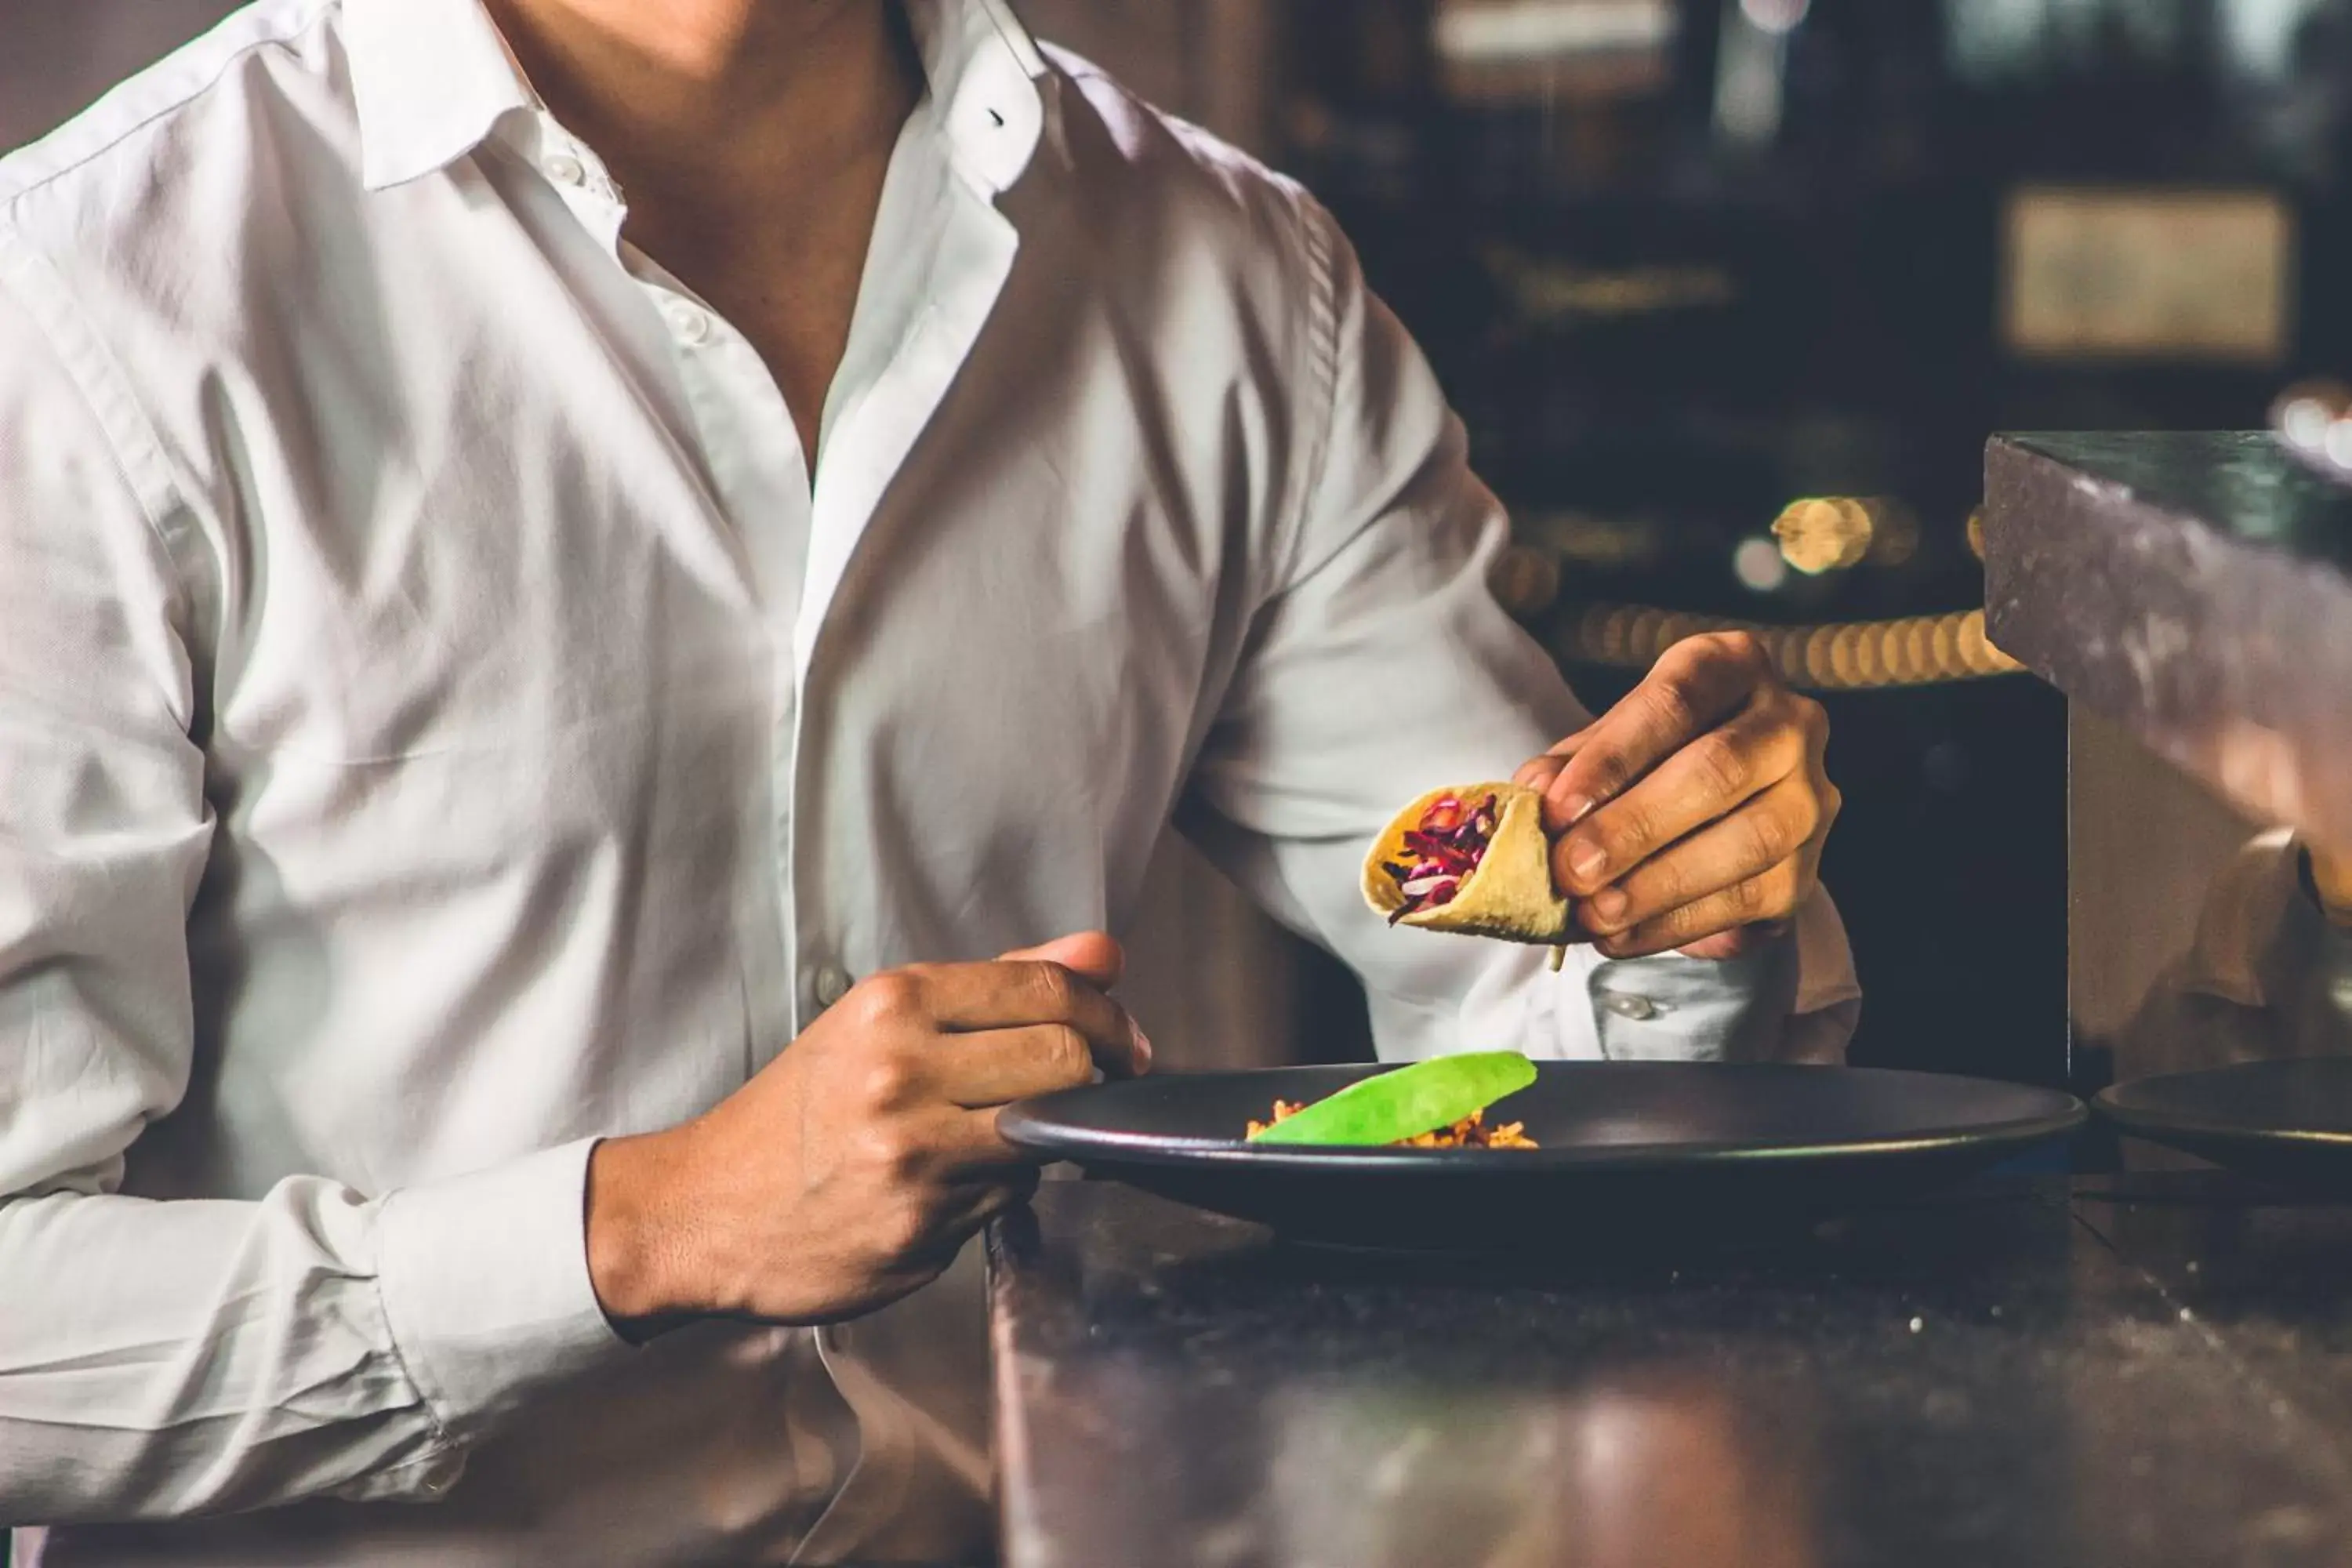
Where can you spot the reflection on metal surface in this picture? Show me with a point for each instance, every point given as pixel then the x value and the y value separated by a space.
pixel 1917 650
pixel 2199 941
pixel 1672 1465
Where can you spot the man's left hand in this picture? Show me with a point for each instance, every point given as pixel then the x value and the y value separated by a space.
pixel 1691 816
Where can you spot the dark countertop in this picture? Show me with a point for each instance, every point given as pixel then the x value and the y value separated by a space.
pixel 2195 586
pixel 2021 1373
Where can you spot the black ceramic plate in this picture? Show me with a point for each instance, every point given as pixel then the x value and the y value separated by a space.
pixel 2287 1122
pixel 1637 1146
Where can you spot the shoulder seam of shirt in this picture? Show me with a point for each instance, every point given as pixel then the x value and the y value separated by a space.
pixel 270 27
pixel 149 482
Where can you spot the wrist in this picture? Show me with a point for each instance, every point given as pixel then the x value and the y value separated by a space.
pixel 633 1262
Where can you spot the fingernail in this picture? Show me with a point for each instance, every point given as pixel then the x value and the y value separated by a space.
pixel 1142 1049
pixel 1578 808
pixel 1587 859
pixel 1610 905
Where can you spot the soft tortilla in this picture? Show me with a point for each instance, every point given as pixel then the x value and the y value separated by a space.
pixel 1510 896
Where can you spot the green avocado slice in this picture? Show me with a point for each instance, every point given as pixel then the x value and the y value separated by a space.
pixel 1405 1103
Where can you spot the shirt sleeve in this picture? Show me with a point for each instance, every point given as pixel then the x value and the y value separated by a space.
pixel 164 1358
pixel 1380 666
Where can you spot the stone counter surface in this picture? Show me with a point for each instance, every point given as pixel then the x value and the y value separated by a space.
pixel 2195 587
pixel 2022 1374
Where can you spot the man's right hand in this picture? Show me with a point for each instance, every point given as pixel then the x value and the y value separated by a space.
pixel 852 1169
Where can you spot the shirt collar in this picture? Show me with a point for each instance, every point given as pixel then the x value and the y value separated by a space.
pixel 432 78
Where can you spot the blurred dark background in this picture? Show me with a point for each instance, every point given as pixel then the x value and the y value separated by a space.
pixel 1690 267
pixel 1682 263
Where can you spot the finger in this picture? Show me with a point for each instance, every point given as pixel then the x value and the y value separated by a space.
pixel 1651 851
pixel 1024 992
pixel 1091 955
pixel 972 1150
pixel 965 1146
pixel 1696 686
pixel 997 1066
pixel 1097 958
pixel 1771 896
pixel 957 1214
pixel 1537 773
pixel 966 1209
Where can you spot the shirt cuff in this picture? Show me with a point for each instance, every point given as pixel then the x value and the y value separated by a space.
pixel 1673 1008
pixel 484 1283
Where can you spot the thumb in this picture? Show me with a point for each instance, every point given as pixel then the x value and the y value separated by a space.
pixel 1095 957
pixel 1090 955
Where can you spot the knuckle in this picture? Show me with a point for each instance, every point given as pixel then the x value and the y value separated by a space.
pixel 1674 705
pixel 1055 988
pixel 1068 1055
pixel 1610 774
pixel 905 1226
pixel 907 1164
pixel 1743 649
pixel 1664 884
pixel 1771 839
pixel 886 1081
pixel 1752 900
pixel 884 1147
pixel 889 998
pixel 1723 763
pixel 1625 833
pixel 1814 719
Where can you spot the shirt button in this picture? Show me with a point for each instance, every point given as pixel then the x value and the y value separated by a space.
pixel 565 170
pixel 1625 1005
pixel 832 983
pixel 691 324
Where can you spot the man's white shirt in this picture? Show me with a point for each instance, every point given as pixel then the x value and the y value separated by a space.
pixel 441 723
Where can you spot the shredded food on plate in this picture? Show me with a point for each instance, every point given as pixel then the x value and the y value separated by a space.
pixel 1470 1132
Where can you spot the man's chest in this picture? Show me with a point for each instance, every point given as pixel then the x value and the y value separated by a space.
pixel 601 544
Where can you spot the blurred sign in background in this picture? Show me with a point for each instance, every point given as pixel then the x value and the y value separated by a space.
pixel 1730 293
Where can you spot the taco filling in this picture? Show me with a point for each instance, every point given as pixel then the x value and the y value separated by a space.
pixel 1440 854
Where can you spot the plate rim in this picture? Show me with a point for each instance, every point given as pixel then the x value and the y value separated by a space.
pixel 2146 1120
pixel 1018 1125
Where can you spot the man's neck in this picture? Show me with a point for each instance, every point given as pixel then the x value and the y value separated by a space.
pixel 708 92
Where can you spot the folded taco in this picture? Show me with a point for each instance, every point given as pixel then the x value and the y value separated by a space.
pixel 1473 860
